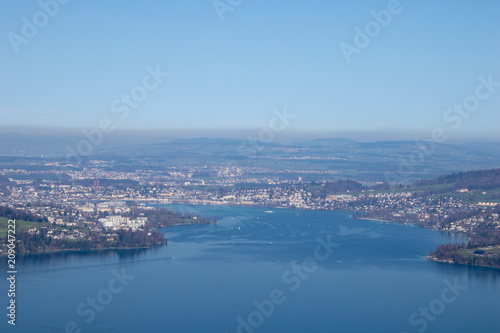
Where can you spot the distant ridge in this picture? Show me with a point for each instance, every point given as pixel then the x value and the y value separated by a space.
pixel 328 142
pixel 477 179
pixel 203 140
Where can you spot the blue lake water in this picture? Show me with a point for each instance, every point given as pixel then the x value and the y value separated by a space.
pixel 287 271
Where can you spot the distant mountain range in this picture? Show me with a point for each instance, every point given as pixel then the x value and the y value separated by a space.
pixel 332 142
pixel 405 161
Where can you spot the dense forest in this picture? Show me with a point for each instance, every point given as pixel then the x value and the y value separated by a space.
pixel 334 187
pixel 479 179
pixel 40 176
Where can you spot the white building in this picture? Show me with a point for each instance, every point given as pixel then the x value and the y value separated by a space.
pixel 118 222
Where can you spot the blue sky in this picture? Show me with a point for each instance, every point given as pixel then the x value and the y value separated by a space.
pixel 229 74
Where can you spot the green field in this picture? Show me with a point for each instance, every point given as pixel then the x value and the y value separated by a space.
pixel 492 195
pixel 25 225
pixel 20 225
pixel 469 253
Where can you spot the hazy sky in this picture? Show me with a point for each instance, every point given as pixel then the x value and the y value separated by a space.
pixel 76 67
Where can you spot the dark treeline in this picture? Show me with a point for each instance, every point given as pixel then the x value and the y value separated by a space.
pixel 18 214
pixel 480 179
pixel 4 182
pixel 40 176
pixel 335 187
pixel 342 186
pixel 41 242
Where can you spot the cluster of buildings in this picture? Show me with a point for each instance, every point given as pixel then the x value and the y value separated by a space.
pixel 120 222
pixel 77 197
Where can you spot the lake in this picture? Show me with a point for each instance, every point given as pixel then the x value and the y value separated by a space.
pixel 257 271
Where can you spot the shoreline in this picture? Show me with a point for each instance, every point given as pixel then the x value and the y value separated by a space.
pixel 86 250
pixel 380 220
pixel 456 263
pixel 256 206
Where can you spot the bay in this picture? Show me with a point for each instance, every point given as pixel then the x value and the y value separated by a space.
pixel 257 271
